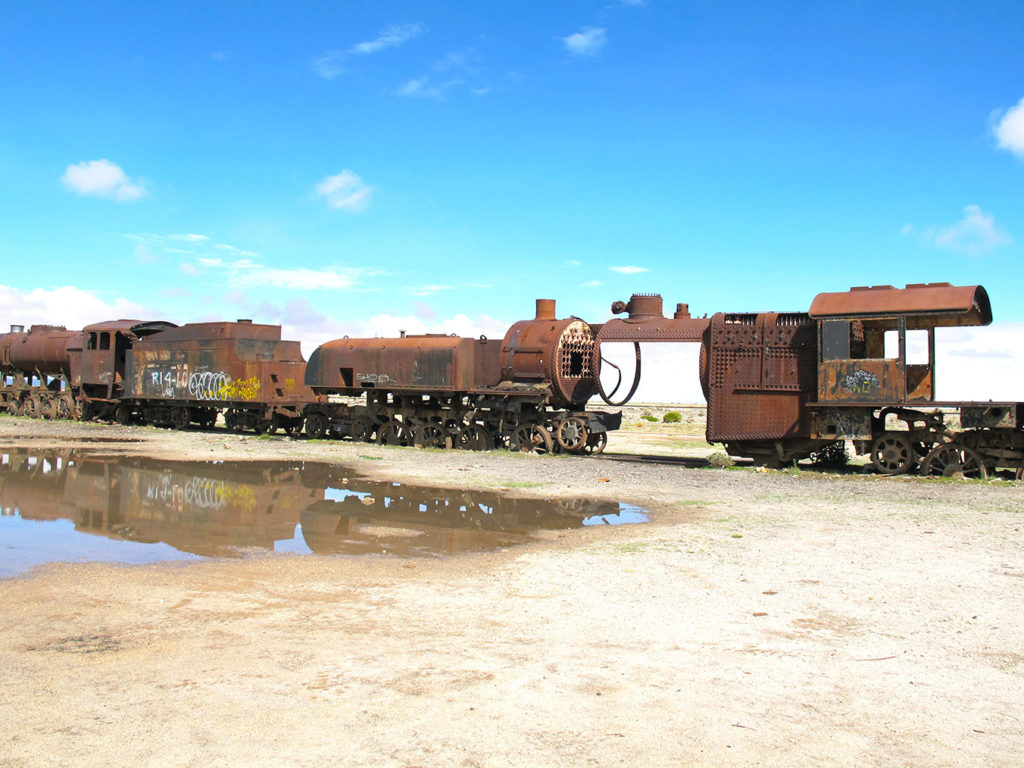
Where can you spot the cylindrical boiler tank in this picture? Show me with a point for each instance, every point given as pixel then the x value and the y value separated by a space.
pixel 548 349
pixel 44 348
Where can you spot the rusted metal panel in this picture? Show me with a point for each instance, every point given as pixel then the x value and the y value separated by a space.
pixel 42 349
pixel 428 363
pixel 557 351
pixel 865 381
pixel 841 423
pixel 949 304
pixel 991 415
pixel 230 366
pixel 758 371
pixel 206 332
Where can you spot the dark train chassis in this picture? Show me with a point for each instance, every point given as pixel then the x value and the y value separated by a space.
pixel 473 422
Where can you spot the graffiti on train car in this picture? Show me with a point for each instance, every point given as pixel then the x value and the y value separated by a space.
pixel 176 380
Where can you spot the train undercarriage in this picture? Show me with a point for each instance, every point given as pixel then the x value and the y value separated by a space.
pixel 467 421
pixel 972 440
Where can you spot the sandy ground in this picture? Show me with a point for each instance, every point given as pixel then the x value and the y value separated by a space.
pixel 760 619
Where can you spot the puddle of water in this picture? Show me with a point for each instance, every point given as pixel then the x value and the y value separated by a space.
pixel 69 506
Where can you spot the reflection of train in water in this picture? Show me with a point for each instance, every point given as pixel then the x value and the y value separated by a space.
pixel 224 509
pixel 527 391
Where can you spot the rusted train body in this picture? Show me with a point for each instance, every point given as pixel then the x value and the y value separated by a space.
pixel 156 373
pixel 859 366
pixel 527 391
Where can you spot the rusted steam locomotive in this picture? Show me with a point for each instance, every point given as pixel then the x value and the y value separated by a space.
pixel 527 391
pixel 859 367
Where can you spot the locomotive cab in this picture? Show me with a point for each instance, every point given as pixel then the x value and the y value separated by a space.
pixel 98 365
pixel 877 345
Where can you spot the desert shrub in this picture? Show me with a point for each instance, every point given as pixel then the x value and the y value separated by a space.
pixel 833 455
pixel 646 416
pixel 720 460
pixel 672 417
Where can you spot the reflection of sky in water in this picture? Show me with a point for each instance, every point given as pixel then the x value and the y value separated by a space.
pixel 296 545
pixel 19 546
pixel 628 513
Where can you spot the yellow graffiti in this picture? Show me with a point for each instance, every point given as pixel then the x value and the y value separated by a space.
pixel 239 496
pixel 240 389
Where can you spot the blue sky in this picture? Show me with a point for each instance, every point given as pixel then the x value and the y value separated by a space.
pixel 361 167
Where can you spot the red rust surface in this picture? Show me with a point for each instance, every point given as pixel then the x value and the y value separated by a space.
pixel 219 364
pixel 952 305
pixel 43 349
pixel 759 371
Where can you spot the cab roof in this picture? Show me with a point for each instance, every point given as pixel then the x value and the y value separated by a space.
pixel 941 304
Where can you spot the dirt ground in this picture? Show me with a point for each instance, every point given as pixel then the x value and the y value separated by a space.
pixel 760 619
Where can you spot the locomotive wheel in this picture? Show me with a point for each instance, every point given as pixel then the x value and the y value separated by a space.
pixel 65 407
pixel 392 433
pixel 32 407
pixel 47 408
pixel 316 426
pixel 362 429
pixel 532 439
pixel 123 413
pixel 596 443
pixel 954 460
pixel 180 418
pixel 428 436
pixel 475 437
pixel 14 407
pixel 893 454
pixel 571 434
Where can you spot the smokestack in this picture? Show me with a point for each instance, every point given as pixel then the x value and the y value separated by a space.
pixel 545 309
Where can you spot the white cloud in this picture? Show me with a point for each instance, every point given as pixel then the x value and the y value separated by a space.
pixel 389 37
pixel 344 191
pixel 71 307
pixel 102 178
pixel 249 275
pixel 423 88
pixel 591 284
pixel 329 64
pixel 587 42
pixel 629 270
pixel 974 234
pixel 1010 130
pixel 426 290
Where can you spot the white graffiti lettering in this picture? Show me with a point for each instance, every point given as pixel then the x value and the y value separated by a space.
pixel 208 385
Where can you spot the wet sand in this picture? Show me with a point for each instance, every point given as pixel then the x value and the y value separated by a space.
pixel 761 618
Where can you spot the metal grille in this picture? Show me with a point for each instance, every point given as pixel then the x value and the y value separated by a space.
pixel 575 351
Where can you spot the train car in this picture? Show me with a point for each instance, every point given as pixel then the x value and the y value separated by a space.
pixel 527 391
pixel 192 373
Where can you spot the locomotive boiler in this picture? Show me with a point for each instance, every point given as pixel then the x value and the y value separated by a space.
pixel 527 391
